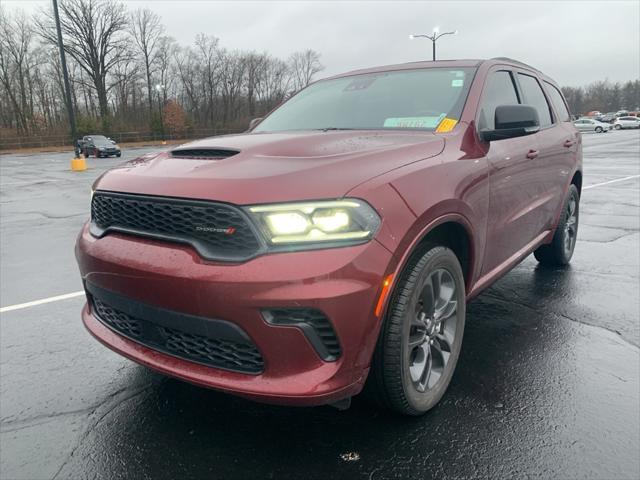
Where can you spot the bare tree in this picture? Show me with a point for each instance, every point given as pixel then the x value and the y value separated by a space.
pixel 147 32
pixel 94 37
pixel 304 65
pixel 15 42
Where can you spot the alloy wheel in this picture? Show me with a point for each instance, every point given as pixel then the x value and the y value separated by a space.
pixel 571 226
pixel 432 330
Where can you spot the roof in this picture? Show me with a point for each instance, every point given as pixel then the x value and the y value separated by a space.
pixel 436 64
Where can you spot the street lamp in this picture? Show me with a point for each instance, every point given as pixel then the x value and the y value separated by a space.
pixel 433 37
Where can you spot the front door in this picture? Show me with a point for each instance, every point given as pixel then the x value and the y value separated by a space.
pixel 513 219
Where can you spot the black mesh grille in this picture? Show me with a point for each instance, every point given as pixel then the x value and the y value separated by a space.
pixel 216 230
pixel 318 321
pixel 119 321
pixel 215 352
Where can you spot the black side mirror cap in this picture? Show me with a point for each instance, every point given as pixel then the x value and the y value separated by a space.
pixel 513 121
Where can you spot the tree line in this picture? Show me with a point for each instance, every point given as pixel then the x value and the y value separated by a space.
pixel 603 96
pixel 127 74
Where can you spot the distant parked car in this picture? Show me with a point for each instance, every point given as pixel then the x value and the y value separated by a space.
pixel 626 122
pixel 99 146
pixel 591 125
pixel 607 118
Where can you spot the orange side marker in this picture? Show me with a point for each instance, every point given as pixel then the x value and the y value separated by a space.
pixel 383 294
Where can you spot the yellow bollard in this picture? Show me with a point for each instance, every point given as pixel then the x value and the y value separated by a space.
pixel 78 164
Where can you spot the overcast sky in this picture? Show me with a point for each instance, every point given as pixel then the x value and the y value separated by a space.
pixel 575 42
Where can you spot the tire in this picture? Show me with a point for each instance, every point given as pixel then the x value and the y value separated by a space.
pixel 618 127
pixel 118 155
pixel 598 129
pixel 85 154
pixel 398 380
pixel 560 250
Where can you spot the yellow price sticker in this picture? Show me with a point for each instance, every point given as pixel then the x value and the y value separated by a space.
pixel 446 125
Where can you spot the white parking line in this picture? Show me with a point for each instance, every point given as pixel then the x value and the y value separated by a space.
pixel 57 298
pixel 66 296
pixel 611 181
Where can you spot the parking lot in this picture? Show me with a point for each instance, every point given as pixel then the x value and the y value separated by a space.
pixel 547 384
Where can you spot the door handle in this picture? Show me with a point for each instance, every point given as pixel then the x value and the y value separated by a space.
pixel 532 154
pixel 569 143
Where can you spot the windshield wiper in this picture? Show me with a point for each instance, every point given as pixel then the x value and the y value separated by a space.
pixel 326 129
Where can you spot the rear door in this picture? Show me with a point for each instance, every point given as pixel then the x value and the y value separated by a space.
pixel 512 181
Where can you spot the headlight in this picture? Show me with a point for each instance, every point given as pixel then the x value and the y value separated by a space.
pixel 323 222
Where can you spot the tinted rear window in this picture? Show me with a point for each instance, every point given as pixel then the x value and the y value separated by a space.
pixel 558 103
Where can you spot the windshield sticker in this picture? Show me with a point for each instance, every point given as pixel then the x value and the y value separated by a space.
pixel 457 83
pixel 414 122
pixel 446 125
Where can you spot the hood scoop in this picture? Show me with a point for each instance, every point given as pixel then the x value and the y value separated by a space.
pixel 203 153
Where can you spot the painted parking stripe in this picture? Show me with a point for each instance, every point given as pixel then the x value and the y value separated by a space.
pixel 66 296
pixel 42 301
pixel 624 179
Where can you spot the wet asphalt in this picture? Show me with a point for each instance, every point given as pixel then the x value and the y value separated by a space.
pixel 547 385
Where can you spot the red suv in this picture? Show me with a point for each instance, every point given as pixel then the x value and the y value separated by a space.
pixel 333 246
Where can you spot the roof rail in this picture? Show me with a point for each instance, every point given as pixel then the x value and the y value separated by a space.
pixel 516 61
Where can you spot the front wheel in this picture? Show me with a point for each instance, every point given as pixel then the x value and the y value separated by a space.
pixel 560 250
pixel 421 336
pixel 598 129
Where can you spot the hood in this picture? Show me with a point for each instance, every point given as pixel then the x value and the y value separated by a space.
pixel 272 167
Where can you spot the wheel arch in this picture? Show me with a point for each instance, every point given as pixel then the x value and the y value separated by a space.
pixel 450 230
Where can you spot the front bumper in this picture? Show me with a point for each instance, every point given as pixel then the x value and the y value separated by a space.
pixel 343 283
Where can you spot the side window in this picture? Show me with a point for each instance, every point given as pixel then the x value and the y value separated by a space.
pixel 534 96
pixel 558 103
pixel 499 90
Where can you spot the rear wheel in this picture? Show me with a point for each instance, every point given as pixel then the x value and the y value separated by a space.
pixel 421 337
pixel 618 127
pixel 598 129
pixel 560 250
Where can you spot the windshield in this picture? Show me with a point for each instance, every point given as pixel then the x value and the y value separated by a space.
pixel 100 140
pixel 405 99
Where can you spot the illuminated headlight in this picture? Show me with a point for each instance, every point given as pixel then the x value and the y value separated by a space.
pixel 330 221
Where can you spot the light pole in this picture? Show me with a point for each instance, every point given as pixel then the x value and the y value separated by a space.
pixel 433 37
pixel 65 76
pixel 159 88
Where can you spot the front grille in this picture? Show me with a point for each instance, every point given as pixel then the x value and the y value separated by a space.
pixel 314 324
pixel 239 354
pixel 217 231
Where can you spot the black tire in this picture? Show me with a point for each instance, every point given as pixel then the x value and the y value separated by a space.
pixel 118 155
pixel 390 383
pixel 86 155
pixel 561 248
pixel 618 127
pixel 598 129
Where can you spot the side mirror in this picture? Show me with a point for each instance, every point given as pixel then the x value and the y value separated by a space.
pixel 112 141
pixel 254 123
pixel 512 121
